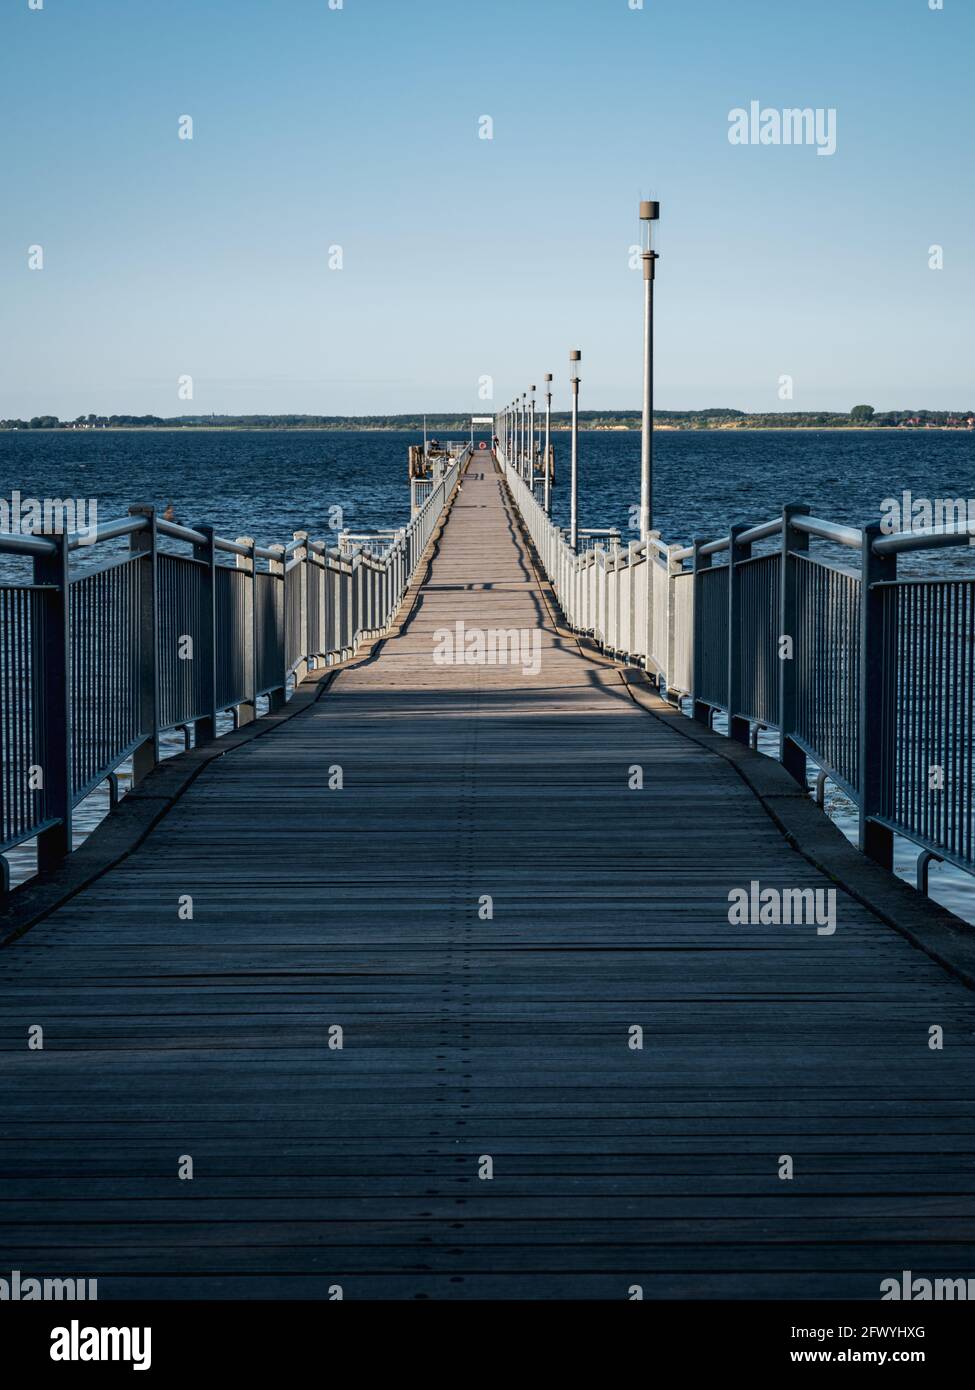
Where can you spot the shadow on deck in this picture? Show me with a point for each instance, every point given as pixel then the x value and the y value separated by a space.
pixel 562 1071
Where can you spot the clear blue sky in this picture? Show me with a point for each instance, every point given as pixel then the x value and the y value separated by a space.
pixel 466 257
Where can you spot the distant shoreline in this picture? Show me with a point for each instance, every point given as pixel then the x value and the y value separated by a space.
pixel 659 427
pixel 453 425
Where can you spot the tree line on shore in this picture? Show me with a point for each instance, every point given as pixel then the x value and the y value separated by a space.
pixel 863 416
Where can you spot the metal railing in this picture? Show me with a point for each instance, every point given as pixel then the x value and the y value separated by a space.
pixel 97 662
pixel 868 675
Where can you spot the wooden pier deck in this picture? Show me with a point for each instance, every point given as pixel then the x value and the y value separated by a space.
pixel 508 1037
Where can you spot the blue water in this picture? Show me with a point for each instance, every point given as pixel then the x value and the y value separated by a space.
pixel 263 484
pixel 268 484
pixel 706 481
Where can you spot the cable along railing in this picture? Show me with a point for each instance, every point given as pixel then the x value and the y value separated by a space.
pixel 864 673
pixel 98 662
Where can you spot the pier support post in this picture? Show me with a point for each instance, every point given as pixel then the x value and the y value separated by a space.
pixel 794 542
pixel 876 841
pixel 52 696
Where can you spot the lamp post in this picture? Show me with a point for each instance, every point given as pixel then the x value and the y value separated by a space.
pixel 649 213
pixel 548 435
pixel 575 357
pixel 521 434
pixel 524 433
pixel 531 442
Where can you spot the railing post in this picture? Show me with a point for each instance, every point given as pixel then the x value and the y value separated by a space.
pixel 737 726
pixel 300 555
pixel 247 709
pixel 400 587
pixel 205 728
pixel 791 756
pixel 700 710
pixel 674 568
pixel 616 553
pixel 632 551
pixel 333 607
pixel 277 696
pixel 356 606
pixel 146 543
pixel 876 841
pixel 54 741
pixel 650 551
pixel 345 609
pixel 603 562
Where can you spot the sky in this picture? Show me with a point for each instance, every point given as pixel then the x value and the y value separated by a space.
pixel 471 265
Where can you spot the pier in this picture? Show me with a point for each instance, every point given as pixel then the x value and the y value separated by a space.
pixel 422 983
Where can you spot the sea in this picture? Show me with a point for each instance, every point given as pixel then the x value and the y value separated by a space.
pixel 267 484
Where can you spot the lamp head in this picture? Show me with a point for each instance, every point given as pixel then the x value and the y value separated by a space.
pixel 649 214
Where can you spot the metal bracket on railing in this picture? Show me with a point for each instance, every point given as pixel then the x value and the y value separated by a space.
pixel 753 736
pixel 821 788
pixel 924 861
pixel 113 790
pixel 187 736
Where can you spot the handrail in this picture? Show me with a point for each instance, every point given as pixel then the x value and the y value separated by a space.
pixel 864 673
pixel 107 531
pixel 811 525
pixel 930 538
pixel 829 531
pixel 99 661
pixel 27 544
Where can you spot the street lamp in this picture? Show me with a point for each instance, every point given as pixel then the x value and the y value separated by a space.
pixel 521 433
pixel 575 357
pixel 531 442
pixel 548 432
pixel 649 213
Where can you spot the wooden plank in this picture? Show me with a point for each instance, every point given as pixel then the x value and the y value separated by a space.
pixel 465 1037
